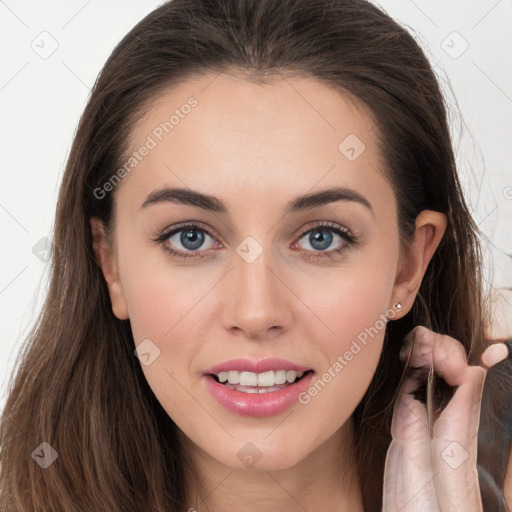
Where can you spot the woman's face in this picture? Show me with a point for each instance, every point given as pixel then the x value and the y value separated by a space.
pixel 262 280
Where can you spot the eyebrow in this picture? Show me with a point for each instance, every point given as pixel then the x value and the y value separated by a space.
pixel 213 204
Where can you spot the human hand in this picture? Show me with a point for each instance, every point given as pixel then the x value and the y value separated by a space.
pixel 431 466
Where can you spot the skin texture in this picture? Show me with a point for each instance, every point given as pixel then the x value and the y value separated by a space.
pixel 256 148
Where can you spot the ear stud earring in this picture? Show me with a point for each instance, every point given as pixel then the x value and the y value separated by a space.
pixel 391 313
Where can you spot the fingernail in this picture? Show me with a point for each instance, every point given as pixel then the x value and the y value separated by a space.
pixel 494 354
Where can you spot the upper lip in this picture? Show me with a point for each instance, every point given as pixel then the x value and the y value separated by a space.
pixel 251 365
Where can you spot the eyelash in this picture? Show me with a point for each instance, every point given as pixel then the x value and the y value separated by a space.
pixel 349 238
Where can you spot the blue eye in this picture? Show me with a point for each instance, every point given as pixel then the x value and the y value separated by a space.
pixel 192 238
pixel 321 237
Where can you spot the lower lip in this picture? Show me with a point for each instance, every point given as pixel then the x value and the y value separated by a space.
pixel 257 404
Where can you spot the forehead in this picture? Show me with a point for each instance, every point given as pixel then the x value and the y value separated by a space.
pixel 219 132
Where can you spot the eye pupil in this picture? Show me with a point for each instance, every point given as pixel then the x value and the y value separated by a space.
pixel 191 236
pixel 325 239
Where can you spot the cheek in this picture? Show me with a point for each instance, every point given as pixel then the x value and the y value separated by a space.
pixel 169 306
pixel 354 318
pixel 152 306
pixel 158 293
pixel 354 313
pixel 352 300
pixel 164 309
pixel 352 308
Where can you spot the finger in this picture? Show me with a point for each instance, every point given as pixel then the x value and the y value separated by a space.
pixel 408 476
pixel 455 445
pixel 409 418
pixel 495 353
pixel 409 412
pixel 448 358
pixel 446 354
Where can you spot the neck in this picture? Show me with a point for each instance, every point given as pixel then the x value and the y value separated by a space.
pixel 326 479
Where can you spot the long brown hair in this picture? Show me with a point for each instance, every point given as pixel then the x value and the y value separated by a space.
pixel 79 386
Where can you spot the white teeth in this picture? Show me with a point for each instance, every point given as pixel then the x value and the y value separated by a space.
pixel 250 390
pixel 248 379
pixel 234 377
pixel 254 390
pixel 280 377
pixel 291 375
pixel 265 379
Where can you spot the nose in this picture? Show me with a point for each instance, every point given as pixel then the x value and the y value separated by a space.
pixel 258 302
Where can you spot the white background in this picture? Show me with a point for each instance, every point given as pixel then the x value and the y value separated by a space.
pixel 42 97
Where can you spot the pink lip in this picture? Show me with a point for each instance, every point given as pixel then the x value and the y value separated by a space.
pixel 255 404
pixel 249 365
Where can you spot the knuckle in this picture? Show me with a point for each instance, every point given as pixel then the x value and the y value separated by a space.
pixel 421 335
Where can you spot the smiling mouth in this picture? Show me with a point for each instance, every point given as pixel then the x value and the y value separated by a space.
pixel 266 382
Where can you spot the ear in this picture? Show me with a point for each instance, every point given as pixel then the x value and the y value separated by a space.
pixel 106 259
pixel 430 228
